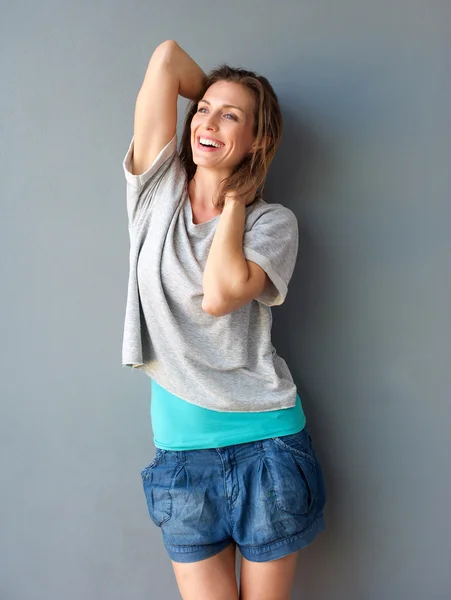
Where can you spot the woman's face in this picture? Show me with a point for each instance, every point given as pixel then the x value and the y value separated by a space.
pixel 225 115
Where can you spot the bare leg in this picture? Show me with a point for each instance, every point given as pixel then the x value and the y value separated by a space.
pixel 210 579
pixel 270 580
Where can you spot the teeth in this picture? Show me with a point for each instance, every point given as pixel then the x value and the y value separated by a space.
pixel 210 143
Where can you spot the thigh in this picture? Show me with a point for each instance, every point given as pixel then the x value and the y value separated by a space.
pixel 211 579
pixel 271 580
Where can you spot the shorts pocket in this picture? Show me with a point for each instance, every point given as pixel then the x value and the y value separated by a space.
pixel 292 467
pixel 299 444
pixel 157 480
pixel 158 455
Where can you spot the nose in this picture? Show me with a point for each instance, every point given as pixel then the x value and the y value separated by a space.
pixel 211 122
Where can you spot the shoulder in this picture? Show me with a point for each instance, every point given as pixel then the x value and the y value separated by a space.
pixel 166 164
pixel 263 212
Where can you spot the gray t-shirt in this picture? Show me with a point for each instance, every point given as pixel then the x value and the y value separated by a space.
pixel 223 363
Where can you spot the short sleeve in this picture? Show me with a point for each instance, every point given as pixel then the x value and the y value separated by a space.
pixel 272 243
pixel 142 189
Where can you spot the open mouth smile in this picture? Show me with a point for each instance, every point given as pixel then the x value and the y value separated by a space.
pixel 205 144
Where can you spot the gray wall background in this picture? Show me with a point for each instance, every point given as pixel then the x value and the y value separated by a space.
pixel 366 329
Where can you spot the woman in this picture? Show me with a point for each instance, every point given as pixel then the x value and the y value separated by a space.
pixel 234 464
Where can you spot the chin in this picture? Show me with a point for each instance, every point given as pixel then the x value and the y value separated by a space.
pixel 202 160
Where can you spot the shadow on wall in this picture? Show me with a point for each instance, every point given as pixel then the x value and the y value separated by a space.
pixel 301 176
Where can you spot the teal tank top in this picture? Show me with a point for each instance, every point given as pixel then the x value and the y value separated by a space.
pixel 179 425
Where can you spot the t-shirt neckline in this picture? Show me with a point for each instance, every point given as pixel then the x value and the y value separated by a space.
pixel 190 216
pixel 204 223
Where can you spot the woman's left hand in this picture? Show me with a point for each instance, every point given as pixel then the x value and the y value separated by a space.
pixel 249 197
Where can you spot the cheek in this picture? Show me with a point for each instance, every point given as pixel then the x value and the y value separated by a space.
pixel 242 142
pixel 193 124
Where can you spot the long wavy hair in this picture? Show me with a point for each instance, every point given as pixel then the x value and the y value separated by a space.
pixel 250 174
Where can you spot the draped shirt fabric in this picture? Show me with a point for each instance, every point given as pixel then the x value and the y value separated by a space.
pixel 225 363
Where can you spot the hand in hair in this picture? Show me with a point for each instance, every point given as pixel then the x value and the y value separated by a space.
pixel 246 198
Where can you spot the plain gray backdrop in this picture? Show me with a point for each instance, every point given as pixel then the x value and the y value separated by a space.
pixel 366 329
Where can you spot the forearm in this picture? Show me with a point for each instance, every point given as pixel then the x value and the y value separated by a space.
pixel 190 76
pixel 226 268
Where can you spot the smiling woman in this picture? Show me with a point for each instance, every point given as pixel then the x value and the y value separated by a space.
pixel 209 257
pixel 238 109
pixel 228 135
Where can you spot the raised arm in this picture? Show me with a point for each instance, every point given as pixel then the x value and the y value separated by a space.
pixel 171 71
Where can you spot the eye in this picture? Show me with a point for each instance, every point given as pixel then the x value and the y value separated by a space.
pixel 231 115
pixel 201 108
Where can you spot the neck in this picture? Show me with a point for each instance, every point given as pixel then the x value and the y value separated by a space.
pixel 204 185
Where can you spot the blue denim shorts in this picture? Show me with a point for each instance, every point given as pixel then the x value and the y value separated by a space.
pixel 266 496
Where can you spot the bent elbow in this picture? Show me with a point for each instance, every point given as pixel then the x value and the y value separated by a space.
pixel 215 309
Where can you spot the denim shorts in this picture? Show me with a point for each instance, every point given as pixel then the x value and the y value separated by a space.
pixel 266 496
